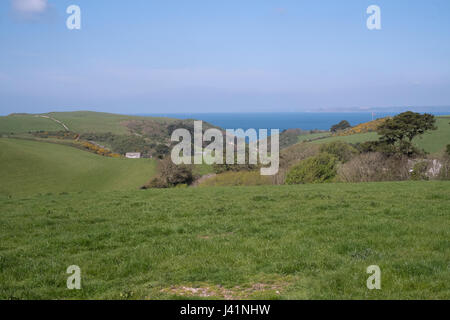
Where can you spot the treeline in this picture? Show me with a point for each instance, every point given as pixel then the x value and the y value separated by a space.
pixel 128 143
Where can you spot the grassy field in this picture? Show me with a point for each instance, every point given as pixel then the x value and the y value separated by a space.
pixel 284 242
pixel 85 121
pixel 354 138
pixel 29 167
pixel 435 141
pixel 26 123
pixel 78 121
pixel 305 137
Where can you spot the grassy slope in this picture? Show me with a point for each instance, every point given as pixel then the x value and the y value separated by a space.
pixel 310 241
pixel 79 121
pixel 25 123
pixel 29 167
pixel 305 137
pixel 433 141
pixel 354 138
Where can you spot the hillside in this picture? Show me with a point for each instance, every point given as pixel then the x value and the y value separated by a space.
pixel 77 121
pixel 119 133
pixel 432 141
pixel 276 242
pixel 29 167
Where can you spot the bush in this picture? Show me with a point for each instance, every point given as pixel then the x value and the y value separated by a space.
pixel 419 171
pixel 175 174
pixel 341 150
pixel 448 150
pixel 156 182
pixel 291 156
pixel 242 178
pixel 171 175
pixel 374 166
pixel 317 169
pixel 445 170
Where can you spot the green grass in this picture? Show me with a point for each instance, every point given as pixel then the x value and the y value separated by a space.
pixel 241 178
pixel 99 122
pixel 78 121
pixel 30 167
pixel 305 137
pixel 435 141
pixel 307 242
pixel 354 138
pixel 26 123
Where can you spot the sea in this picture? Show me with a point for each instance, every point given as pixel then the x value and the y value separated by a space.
pixel 281 121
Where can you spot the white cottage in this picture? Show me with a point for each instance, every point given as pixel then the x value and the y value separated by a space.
pixel 133 155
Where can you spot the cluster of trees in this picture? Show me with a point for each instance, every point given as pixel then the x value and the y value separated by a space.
pixel 344 124
pixel 128 143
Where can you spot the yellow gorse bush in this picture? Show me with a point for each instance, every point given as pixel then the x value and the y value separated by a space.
pixel 361 128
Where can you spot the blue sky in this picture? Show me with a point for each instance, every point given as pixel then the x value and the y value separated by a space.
pixel 155 56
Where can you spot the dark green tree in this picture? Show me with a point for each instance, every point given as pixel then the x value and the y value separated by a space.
pixel 344 124
pixel 403 128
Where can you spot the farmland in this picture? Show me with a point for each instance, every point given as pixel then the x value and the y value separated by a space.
pixel 269 242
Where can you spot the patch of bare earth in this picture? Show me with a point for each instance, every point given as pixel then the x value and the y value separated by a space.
pixel 209 237
pixel 218 291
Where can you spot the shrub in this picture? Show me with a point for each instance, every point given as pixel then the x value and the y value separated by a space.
pixel 374 166
pixel 448 150
pixel 174 174
pixel 362 128
pixel 291 156
pixel 419 171
pixel 341 150
pixel 156 182
pixel 317 169
pixel 445 170
pixel 242 178
pixel 171 175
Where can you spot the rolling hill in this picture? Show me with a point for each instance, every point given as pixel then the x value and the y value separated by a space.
pixel 61 206
pixel 30 167
pixel 119 133
pixel 77 121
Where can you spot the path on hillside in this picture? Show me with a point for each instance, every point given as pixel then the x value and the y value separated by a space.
pixel 56 120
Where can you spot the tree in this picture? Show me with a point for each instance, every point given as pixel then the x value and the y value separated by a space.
pixel 171 175
pixel 344 124
pixel 403 128
pixel 162 150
